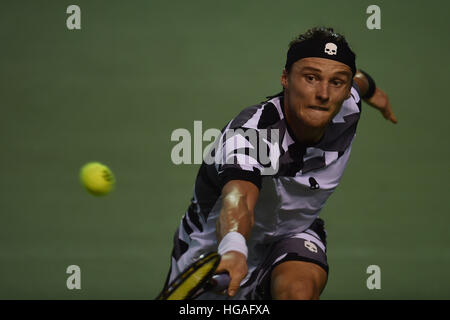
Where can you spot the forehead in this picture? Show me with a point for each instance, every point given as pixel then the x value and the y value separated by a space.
pixel 322 65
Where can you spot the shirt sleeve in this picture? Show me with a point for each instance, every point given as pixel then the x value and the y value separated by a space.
pixel 240 156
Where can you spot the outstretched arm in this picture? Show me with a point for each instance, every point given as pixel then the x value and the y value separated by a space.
pixel 236 215
pixel 377 98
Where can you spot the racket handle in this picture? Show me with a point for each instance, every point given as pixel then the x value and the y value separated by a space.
pixel 220 282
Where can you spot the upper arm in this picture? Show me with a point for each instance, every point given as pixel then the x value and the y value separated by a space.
pixel 240 179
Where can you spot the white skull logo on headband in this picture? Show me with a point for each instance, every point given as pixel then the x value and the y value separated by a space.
pixel 331 49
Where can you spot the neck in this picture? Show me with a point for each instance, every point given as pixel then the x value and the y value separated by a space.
pixel 303 133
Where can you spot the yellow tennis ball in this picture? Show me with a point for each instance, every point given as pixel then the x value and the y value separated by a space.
pixel 97 178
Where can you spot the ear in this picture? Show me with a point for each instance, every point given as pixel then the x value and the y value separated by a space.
pixel 284 78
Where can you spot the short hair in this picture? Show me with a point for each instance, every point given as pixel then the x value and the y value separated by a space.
pixel 316 33
pixel 320 33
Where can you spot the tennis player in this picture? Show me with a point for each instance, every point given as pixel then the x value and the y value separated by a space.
pixel 263 216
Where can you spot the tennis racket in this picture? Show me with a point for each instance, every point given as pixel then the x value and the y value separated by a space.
pixel 197 279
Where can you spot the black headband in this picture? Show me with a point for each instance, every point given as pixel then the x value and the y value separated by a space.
pixel 321 48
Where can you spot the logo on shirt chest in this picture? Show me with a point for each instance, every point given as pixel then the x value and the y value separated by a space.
pixel 313 185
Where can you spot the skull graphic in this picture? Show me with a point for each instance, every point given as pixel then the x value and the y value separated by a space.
pixel 331 49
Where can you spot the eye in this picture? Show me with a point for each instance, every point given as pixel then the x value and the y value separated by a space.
pixel 337 82
pixel 310 77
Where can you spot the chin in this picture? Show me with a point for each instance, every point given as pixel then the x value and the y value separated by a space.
pixel 315 120
pixel 316 124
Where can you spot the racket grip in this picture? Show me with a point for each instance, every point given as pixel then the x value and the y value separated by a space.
pixel 220 282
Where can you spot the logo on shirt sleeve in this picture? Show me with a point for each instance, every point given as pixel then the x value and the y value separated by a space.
pixel 310 246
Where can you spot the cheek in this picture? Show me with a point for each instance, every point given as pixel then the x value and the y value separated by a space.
pixel 338 97
pixel 296 100
pixel 301 91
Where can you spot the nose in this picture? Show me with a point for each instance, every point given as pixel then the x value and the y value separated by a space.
pixel 322 92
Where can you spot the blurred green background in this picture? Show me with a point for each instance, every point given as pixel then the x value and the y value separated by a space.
pixel 116 89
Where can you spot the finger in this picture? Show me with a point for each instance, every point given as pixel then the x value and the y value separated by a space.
pixel 390 114
pixel 235 281
pixel 234 285
pixel 393 118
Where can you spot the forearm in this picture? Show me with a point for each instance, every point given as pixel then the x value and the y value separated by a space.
pixel 373 95
pixel 238 202
pixel 235 215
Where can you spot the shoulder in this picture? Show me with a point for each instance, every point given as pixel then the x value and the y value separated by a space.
pixel 259 116
pixel 351 107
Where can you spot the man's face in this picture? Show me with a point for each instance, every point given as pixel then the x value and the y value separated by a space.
pixel 315 89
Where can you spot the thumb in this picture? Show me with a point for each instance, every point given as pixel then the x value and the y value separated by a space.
pixel 221 269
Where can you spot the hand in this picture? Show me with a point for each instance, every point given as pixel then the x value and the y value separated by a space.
pixel 235 264
pixel 380 101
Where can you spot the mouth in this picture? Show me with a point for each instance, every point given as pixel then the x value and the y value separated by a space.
pixel 318 108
